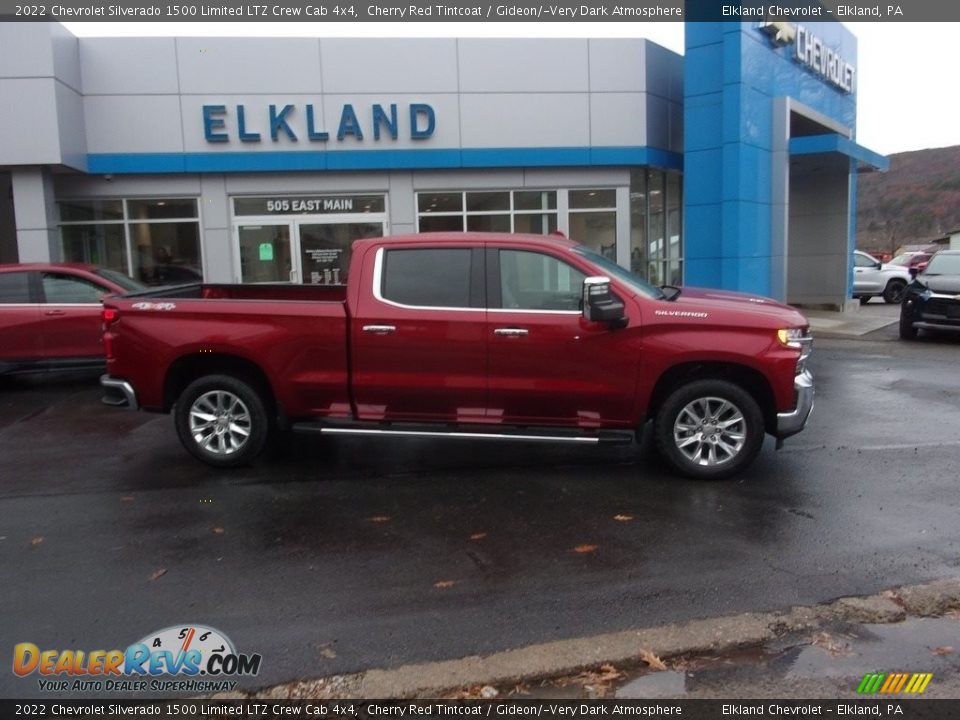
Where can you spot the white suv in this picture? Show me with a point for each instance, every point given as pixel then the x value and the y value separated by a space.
pixel 871 277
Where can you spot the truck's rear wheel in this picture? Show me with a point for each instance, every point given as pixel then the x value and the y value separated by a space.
pixel 709 429
pixel 222 420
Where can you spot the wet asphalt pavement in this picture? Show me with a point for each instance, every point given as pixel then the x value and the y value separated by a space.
pixel 337 555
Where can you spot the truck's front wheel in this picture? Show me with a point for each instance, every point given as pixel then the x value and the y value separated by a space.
pixel 709 429
pixel 221 420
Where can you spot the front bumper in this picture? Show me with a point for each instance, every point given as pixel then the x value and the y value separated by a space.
pixel 118 393
pixel 790 423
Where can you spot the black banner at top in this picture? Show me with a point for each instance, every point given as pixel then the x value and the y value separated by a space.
pixel 266 709
pixel 403 11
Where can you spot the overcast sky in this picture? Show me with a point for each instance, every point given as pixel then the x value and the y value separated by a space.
pixel 906 72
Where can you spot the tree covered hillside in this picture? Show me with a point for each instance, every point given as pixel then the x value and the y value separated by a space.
pixel 917 200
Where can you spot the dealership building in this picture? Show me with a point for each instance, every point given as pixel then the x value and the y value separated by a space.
pixel 253 159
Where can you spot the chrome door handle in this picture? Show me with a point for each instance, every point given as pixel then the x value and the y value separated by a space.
pixel 382 329
pixel 511 332
pixel 55 312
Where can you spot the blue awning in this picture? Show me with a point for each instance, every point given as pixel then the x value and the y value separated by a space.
pixel 833 143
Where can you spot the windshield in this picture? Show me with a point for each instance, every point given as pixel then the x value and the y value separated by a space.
pixel 122 280
pixel 943 264
pixel 901 260
pixel 634 282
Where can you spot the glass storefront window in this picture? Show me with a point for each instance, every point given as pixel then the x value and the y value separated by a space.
pixel 596 230
pixel 91 210
pixel 161 209
pixel 487 201
pixel 440 202
pixel 488 223
pixel 441 223
pixel 522 211
pixel 103 245
pixel 593 220
pixel 166 253
pixel 536 200
pixel 156 240
pixel 638 221
pixel 656 225
pixel 535 224
pixel 587 199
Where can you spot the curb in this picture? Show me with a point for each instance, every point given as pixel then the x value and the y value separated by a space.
pixel 717 635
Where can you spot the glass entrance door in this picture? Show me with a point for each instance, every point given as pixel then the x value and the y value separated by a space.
pixel 325 249
pixel 266 253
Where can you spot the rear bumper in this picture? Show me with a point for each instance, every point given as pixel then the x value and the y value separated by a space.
pixel 790 423
pixel 118 393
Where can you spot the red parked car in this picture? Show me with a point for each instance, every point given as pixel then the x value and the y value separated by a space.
pixel 467 335
pixel 50 315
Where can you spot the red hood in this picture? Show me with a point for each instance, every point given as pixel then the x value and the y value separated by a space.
pixel 719 303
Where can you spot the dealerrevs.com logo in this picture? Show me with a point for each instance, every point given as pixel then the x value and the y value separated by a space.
pixel 201 659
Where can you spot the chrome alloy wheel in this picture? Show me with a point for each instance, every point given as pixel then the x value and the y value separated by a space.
pixel 710 431
pixel 220 422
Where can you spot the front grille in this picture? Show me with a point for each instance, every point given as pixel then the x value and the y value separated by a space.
pixel 942 307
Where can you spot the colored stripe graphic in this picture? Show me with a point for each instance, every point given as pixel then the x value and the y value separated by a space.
pixel 910 683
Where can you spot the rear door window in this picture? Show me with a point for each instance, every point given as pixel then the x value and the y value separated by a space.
pixel 14 288
pixel 68 290
pixel 428 277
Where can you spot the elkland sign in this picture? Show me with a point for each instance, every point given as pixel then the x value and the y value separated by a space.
pixel 293 123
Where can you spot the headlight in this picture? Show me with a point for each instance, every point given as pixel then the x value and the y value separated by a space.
pixel 798 339
pixel 791 337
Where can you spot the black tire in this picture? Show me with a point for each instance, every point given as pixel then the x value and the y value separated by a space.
pixel 238 426
pixel 707 456
pixel 864 299
pixel 907 330
pixel 894 291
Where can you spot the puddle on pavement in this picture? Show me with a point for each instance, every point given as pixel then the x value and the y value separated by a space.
pixel 839 651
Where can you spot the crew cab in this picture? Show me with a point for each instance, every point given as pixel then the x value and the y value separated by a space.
pixel 469 335
pixel 50 315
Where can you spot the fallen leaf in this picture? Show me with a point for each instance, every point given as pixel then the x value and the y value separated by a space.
pixel 598 681
pixel 218 531
pixel 831 645
pixel 583 549
pixel 328 652
pixel 443 584
pixel 127 498
pixel 942 650
pixel 158 573
pixel 478 536
pixel 37 540
pixel 623 518
pixel 379 518
pixel 488 692
pixel 953 615
pixel 652 660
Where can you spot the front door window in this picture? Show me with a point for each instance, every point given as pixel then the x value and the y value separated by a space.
pixel 265 254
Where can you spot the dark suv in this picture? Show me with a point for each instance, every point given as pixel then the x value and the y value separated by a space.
pixel 932 300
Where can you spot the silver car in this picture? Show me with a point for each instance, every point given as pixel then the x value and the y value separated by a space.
pixel 872 277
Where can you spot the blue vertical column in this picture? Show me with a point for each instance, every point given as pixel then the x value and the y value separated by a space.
pixel 727 159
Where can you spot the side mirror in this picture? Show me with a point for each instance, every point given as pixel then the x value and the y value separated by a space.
pixel 879 265
pixel 914 271
pixel 600 304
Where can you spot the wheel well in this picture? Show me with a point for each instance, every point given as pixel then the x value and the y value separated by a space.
pixel 749 379
pixel 190 367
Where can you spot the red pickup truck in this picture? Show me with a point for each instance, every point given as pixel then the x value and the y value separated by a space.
pixel 467 335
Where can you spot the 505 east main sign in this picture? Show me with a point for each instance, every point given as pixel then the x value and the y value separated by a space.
pixel 294 122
